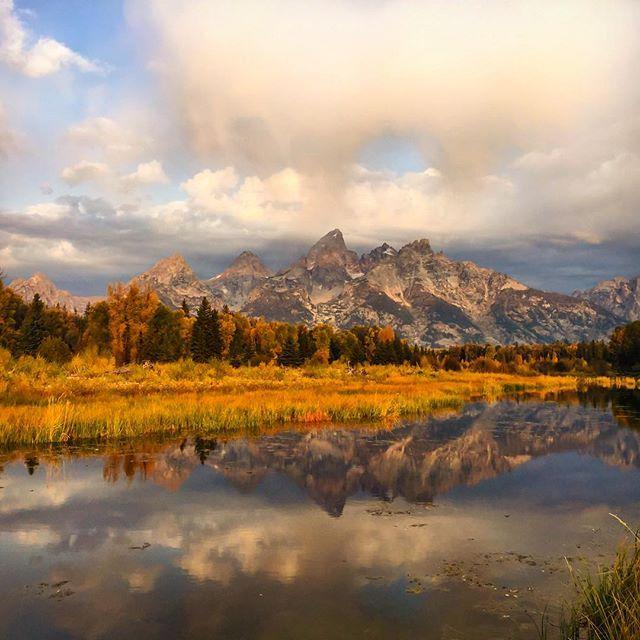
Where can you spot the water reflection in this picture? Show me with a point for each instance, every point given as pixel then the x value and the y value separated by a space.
pixel 452 527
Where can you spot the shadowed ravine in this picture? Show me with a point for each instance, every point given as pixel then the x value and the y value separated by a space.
pixel 456 526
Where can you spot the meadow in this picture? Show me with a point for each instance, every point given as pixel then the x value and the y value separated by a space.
pixel 89 398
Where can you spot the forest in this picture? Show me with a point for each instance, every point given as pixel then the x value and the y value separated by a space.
pixel 133 326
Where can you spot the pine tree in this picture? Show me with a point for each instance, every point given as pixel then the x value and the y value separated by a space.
pixel 237 347
pixel 214 337
pixel 290 356
pixel 32 331
pixel 200 349
pixel 163 341
pixel 185 308
pixel 335 350
pixel 249 350
pixel 306 343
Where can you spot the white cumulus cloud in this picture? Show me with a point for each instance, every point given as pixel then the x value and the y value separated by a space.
pixel 146 173
pixel 44 57
pixel 85 171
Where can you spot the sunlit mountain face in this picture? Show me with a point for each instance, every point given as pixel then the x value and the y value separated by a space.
pixel 458 523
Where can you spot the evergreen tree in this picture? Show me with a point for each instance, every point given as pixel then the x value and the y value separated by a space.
pixel 306 343
pixel 162 341
pixel 237 347
pixel 200 349
pixel 185 308
pixel 214 337
pixel 290 356
pixel 335 350
pixel 249 350
pixel 33 330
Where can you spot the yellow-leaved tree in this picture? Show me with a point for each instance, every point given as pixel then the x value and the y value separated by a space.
pixel 130 309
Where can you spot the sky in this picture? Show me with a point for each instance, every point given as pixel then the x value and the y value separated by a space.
pixel 508 133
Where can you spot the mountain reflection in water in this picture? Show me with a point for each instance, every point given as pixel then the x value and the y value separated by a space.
pixel 416 461
pixel 455 526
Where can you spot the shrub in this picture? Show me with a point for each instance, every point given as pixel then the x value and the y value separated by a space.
pixel 55 350
pixel 451 363
pixel 5 358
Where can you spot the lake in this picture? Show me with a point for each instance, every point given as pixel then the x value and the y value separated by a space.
pixel 457 526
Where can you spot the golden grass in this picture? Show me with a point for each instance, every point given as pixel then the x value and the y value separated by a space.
pixel 88 399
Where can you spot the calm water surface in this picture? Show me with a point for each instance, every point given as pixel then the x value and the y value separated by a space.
pixel 452 527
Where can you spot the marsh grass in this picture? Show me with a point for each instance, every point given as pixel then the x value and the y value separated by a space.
pixel 607 603
pixel 89 399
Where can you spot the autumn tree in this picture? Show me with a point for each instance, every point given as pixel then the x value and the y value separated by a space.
pixel 12 313
pixel 625 346
pixel 96 331
pixel 130 309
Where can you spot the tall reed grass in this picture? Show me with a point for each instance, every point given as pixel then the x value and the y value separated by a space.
pixel 607 603
pixel 42 403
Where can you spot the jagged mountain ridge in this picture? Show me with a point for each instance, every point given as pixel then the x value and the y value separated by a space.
pixel 620 296
pixel 426 296
pixel 50 294
pixel 239 279
pixel 174 280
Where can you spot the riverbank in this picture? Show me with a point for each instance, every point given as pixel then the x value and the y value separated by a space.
pixel 90 399
pixel 607 602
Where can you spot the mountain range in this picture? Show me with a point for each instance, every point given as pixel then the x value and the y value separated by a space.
pixel 426 296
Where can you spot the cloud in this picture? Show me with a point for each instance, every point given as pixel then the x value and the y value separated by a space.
pixel 45 57
pixel 223 213
pixel 146 173
pixel 101 174
pixel 108 137
pixel 266 202
pixel 9 139
pixel 85 171
pixel 306 85
pixel 210 184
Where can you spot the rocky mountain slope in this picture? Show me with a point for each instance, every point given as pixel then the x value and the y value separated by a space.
pixel 174 281
pixel 50 294
pixel 620 296
pixel 239 279
pixel 426 296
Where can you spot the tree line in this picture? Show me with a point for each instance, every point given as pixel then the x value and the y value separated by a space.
pixel 133 326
